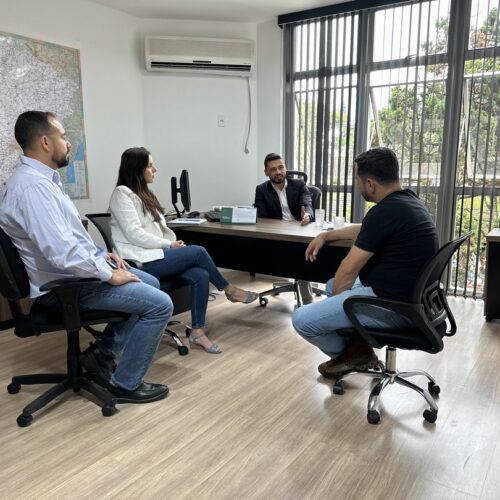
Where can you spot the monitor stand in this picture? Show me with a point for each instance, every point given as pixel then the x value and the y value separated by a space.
pixel 179 214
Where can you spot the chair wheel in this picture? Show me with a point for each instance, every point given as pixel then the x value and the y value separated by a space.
pixel 188 332
pixel 373 417
pixel 434 389
pixel 24 420
pixel 263 301
pixel 108 410
pixel 183 350
pixel 430 415
pixel 338 388
pixel 13 388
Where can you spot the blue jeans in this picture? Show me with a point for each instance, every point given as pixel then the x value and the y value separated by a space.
pixel 194 265
pixel 317 323
pixel 136 339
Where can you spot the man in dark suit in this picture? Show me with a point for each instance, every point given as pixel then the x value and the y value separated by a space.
pixel 282 198
pixel 287 199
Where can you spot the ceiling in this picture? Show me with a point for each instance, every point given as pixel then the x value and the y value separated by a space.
pixel 213 10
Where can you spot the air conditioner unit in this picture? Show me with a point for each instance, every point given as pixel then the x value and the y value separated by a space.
pixel 215 56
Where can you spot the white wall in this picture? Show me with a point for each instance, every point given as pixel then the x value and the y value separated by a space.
pixel 180 117
pixel 269 88
pixel 111 83
pixel 175 116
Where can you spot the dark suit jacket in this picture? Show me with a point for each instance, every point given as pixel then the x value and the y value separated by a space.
pixel 268 204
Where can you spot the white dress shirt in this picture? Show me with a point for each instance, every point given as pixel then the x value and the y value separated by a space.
pixel 45 226
pixel 135 234
pixel 285 210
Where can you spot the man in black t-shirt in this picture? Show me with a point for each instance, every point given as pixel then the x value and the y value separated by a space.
pixel 394 241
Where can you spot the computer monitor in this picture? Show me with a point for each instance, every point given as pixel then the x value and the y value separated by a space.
pixel 183 190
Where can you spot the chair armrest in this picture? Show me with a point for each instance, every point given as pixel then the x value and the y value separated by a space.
pixel 65 283
pixel 414 313
pixel 67 291
pixel 404 309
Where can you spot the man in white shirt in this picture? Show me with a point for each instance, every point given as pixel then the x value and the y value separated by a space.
pixel 287 199
pixel 45 227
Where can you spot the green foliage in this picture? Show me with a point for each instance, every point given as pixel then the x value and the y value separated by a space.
pixel 412 124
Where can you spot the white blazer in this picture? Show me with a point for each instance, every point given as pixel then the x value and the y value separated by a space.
pixel 135 234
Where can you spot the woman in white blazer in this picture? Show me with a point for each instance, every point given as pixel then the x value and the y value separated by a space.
pixel 140 233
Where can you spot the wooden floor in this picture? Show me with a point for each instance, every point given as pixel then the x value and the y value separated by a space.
pixel 258 422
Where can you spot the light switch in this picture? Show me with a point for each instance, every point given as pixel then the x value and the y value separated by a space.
pixel 221 120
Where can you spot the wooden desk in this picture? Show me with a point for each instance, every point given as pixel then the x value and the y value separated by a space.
pixel 273 247
pixel 492 278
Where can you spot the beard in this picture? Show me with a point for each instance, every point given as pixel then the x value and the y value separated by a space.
pixel 62 160
pixel 278 179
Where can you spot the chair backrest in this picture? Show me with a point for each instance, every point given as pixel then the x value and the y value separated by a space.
pixel 296 174
pixel 14 285
pixel 314 190
pixel 428 290
pixel 428 311
pixel 14 282
pixel 101 222
pixel 176 287
pixel 315 196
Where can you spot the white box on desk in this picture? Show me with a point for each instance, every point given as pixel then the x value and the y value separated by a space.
pixel 238 215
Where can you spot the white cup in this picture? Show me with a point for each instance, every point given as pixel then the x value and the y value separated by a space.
pixel 319 216
pixel 338 222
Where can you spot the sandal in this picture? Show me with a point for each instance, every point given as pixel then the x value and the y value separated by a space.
pixel 251 297
pixel 213 349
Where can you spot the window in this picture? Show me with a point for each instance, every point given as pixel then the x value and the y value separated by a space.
pixel 395 76
pixel 407 92
pixel 323 98
pixel 477 183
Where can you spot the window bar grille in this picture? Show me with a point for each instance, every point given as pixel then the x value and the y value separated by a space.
pixel 320 107
pixel 497 141
pixel 415 102
pixel 348 158
pixel 306 116
pixel 406 90
pixel 314 104
pixel 341 129
pixel 342 194
pixel 424 95
pixel 326 117
pixel 333 89
pixel 470 133
pixel 461 201
pixel 298 95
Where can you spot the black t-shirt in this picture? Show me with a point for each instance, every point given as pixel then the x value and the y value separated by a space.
pixel 400 232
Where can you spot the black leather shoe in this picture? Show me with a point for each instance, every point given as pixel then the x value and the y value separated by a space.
pixel 99 367
pixel 145 393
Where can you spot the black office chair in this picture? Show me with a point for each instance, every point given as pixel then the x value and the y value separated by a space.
pixel 292 286
pixel 314 190
pixel 14 286
pixel 176 288
pixel 427 312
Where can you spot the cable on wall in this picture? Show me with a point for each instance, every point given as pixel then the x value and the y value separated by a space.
pixel 249 115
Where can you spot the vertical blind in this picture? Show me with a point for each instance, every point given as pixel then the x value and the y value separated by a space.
pixel 323 98
pixel 477 186
pixel 388 76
